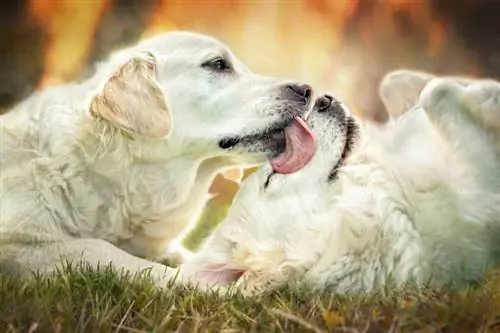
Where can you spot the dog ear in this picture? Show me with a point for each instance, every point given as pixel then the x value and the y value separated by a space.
pixel 400 90
pixel 132 100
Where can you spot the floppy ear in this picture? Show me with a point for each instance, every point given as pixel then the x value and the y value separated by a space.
pixel 132 100
pixel 400 90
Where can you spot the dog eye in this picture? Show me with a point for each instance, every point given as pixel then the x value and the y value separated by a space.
pixel 218 64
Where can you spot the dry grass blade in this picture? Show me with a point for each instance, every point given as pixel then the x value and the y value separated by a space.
pixel 304 323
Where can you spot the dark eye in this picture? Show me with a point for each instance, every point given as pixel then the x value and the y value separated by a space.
pixel 219 65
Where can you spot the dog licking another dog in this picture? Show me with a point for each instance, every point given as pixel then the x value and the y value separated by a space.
pixel 109 171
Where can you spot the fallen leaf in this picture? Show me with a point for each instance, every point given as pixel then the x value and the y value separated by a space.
pixel 333 319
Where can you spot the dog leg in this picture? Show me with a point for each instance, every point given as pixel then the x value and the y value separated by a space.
pixel 444 101
pixel 400 89
pixel 47 257
pixel 34 233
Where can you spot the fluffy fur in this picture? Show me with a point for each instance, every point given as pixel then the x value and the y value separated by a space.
pixel 110 170
pixel 416 202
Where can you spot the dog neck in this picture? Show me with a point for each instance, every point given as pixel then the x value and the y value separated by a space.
pixel 110 152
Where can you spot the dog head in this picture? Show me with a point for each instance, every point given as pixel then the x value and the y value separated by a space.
pixel 191 91
pixel 275 229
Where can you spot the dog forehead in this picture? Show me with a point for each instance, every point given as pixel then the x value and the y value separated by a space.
pixel 198 45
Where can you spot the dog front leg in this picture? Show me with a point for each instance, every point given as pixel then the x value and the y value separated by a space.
pixel 158 248
pixel 48 257
pixel 400 90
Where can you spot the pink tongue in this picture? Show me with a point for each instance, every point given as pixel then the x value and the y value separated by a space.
pixel 299 150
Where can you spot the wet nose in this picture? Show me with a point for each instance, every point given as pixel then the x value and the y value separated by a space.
pixel 323 102
pixel 299 92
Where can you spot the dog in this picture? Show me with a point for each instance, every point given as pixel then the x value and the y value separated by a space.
pixel 412 202
pixel 109 171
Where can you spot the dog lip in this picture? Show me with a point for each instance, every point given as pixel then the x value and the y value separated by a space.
pixel 352 136
pixel 275 128
pixel 268 178
pixel 229 142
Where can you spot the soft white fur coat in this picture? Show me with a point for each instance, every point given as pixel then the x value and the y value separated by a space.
pixel 110 170
pixel 416 202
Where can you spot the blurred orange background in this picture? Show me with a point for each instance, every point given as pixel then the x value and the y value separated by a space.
pixel 340 46
pixel 336 45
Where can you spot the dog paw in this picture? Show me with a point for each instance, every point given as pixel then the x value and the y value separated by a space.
pixel 482 98
pixel 165 280
pixel 176 256
pixel 439 95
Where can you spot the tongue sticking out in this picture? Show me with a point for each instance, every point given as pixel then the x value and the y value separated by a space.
pixel 299 150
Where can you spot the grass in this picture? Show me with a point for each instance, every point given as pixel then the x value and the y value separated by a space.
pixel 82 300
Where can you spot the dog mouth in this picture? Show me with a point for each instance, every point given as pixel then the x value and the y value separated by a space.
pixel 291 142
pixel 351 138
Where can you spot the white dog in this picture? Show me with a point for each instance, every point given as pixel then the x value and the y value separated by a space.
pixel 416 201
pixel 112 169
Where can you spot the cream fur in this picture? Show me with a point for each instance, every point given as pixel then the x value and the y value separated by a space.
pixel 111 170
pixel 417 202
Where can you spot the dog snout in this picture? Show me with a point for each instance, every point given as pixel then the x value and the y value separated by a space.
pixel 298 92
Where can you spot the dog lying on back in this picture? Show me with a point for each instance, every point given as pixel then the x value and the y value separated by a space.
pixel 415 201
pixel 110 170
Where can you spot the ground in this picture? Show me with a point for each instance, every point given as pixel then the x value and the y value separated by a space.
pixel 81 300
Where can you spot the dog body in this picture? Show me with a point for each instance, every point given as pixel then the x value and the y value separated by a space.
pixel 113 168
pixel 416 201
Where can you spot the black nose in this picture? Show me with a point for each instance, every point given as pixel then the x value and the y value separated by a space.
pixel 323 103
pixel 299 92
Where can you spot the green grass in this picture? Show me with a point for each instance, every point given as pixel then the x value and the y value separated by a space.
pixel 81 300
